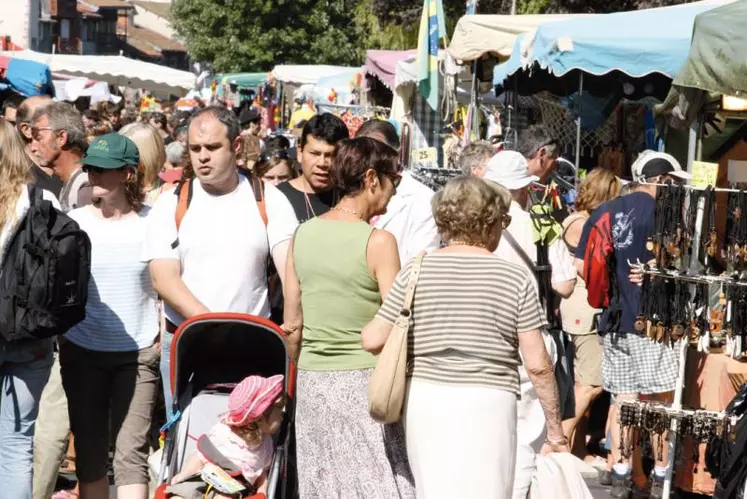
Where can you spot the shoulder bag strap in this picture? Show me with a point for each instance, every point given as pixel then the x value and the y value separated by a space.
pixel 519 251
pixel 411 284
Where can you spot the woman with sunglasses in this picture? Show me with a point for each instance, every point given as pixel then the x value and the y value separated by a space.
pixel 274 167
pixel 109 361
pixel 339 270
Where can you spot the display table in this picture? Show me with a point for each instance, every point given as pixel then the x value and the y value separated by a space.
pixel 711 382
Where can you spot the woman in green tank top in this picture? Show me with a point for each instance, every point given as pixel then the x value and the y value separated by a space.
pixel 339 270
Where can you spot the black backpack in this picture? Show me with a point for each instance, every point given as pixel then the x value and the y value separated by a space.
pixel 44 274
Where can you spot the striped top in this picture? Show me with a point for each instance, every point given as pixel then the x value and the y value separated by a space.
pixel 467 313
pixel 121 313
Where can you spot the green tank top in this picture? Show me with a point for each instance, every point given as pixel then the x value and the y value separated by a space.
pixel 338 294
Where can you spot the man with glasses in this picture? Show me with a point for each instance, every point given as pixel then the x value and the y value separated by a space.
pixel 517 245
pixel 540 149
pixel 58 141
pixel 43 178
pixel 633 365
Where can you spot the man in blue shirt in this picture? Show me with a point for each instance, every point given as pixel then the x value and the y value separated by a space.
pixel 633 365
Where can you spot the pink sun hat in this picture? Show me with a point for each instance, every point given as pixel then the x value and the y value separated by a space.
pixel 251 398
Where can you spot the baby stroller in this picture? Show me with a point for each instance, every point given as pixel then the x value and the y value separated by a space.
pixel 210 354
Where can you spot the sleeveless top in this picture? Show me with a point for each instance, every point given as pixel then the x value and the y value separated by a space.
pixel 577 314
pixel 338 294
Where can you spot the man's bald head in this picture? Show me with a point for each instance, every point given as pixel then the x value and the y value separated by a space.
pixel 26 112
pixel 29 106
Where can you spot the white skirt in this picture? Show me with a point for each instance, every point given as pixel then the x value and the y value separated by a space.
pixel 461 440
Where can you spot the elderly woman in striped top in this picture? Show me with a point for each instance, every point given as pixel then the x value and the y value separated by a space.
pixel 472 314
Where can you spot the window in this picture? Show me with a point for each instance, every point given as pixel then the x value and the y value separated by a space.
pixel 91 29
pixel 65 29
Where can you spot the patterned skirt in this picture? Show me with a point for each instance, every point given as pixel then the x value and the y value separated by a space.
pixel 342 452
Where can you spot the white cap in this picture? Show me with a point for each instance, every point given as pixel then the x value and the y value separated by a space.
pixel 652 164
pixel 509 169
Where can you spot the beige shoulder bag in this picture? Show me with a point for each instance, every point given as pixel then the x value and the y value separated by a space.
pixel 386 388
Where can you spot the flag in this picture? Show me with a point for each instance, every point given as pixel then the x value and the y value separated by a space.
pixel 432 29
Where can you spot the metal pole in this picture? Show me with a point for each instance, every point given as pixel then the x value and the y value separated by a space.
pixel 513 7
pixel 694 150
pixel 578 125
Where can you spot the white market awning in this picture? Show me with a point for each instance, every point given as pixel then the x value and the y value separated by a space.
pixel 115 70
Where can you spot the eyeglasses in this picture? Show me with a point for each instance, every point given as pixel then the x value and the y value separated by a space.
pixel 36 131
pixel 395 177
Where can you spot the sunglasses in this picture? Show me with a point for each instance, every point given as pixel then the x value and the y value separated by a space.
pixel 395 177
pixel 98 170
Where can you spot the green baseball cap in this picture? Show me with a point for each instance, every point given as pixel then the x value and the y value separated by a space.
pixel 111 151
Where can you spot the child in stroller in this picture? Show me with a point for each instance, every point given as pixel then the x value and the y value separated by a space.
pixel 241 442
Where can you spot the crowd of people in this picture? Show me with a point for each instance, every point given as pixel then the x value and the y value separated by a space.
pixel 189 213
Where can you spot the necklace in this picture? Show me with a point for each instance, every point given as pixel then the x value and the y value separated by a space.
pixel 342 209
pixel 457 242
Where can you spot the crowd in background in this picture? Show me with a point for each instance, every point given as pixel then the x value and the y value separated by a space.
pixel 335 226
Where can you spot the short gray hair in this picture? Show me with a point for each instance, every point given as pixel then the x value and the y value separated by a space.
pixel 63 116
pixel 535 138
pixel 475 155
pixel 175 152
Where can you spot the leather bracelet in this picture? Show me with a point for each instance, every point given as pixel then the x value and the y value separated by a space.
pixel 564 441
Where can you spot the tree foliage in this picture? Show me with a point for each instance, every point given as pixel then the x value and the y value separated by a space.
pixel 255 35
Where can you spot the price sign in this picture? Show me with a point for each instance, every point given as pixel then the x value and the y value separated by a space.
pixel 425 158
pixel 704 174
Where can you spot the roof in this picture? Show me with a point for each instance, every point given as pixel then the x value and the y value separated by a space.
pixel 87 10
pixel 111 4
pixel 151 43
pixel 161 9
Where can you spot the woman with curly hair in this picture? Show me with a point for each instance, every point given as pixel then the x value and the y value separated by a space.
pixel 472 314
pixel 109 361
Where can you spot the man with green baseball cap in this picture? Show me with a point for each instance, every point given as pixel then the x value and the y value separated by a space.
pixel 110 152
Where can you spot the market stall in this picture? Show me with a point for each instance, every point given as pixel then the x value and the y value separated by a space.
pixel 600 61
pixel 712 72
pixel 115 70
pixel 479 35
pixel 297 82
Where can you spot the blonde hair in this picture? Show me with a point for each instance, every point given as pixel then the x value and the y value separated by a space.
pixel 468 209
pixel 151 148
pixel 14 170
pixel 599 186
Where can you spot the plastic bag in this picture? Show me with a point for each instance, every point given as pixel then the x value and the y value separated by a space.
pixel 556 476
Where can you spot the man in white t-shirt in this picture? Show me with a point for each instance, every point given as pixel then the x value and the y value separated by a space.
pixel 510 169
pixel 408 215
pixel 217 260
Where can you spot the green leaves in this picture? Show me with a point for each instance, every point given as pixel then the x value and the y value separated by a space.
pixel 255 35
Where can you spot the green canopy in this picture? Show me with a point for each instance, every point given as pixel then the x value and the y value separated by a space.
pixel 243 80
pixel 716 62
pixel 715 65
